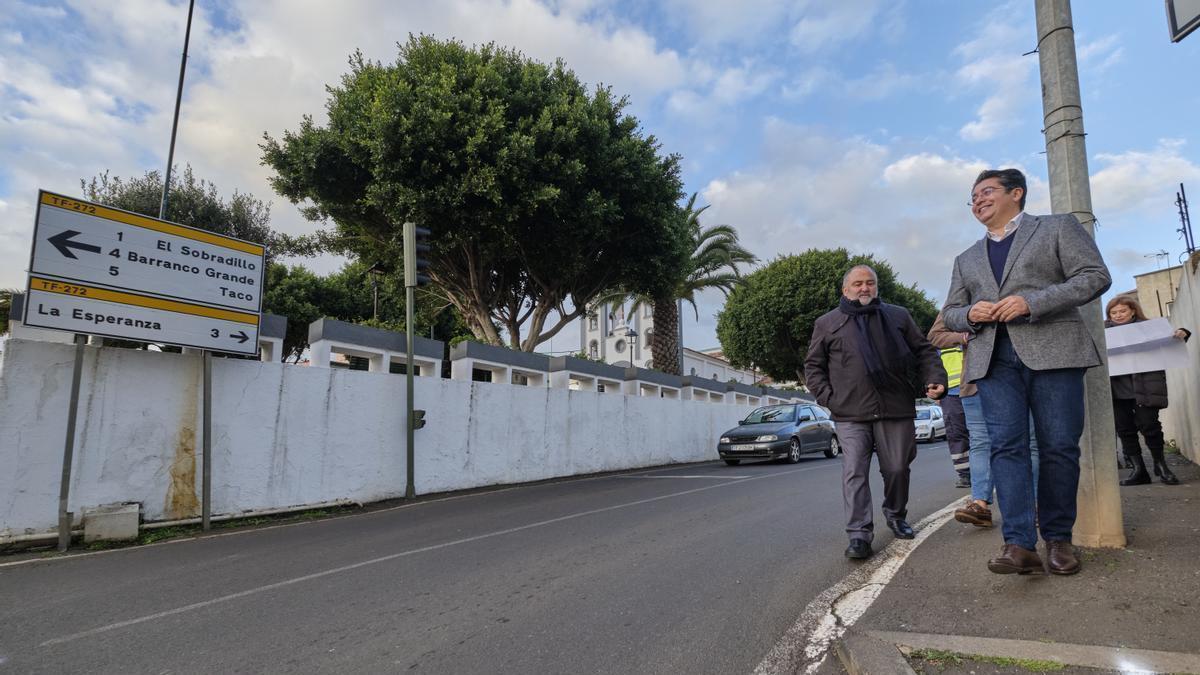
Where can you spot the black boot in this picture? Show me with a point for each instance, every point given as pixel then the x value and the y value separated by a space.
pixel 1161 469
pixel 1138 476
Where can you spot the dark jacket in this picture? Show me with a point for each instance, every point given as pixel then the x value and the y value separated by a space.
pixel 1150 388
pixel 836 373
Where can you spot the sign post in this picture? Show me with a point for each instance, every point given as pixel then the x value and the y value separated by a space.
pixel 64 488
pixel 96 270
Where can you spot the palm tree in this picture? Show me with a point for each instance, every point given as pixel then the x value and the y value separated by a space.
pixel 715 255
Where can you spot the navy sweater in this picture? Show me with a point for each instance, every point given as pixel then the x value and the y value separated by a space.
pixel 998 254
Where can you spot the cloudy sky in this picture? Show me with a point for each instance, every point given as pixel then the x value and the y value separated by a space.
pixel 809 123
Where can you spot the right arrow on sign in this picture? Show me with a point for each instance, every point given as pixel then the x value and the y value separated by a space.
pixel 62 241
pixel 241 336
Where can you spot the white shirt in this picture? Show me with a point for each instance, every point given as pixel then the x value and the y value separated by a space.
pixel 1008 228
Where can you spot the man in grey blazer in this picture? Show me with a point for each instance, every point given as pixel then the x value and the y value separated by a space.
pixel 1017 292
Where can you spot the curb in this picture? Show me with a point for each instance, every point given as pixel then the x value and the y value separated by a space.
pixel 862 653
pixel 876 652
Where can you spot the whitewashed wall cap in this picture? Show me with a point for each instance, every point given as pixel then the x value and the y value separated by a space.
pixel 586 367
pixel 705 383
pixel 373 338
pixel 653 377
pixel 510 357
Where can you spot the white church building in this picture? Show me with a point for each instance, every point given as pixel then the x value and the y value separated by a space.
pixel 617 335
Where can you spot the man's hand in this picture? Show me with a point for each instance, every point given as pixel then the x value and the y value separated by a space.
pixel 1181 334
pixel 1010 308
pixel 935 391
pixel 981 312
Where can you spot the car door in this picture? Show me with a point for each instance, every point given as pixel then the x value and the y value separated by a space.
pixel 826 427
pixel 811 437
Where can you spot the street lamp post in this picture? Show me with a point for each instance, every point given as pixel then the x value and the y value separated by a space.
pixel 375 273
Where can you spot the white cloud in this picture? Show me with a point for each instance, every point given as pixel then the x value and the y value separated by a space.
pixel 1099 55
pixel 883 81
pixel 815 190
pixel 720 21
pixel 823 24
pixel 808 82
pixel 1138 184
pixel 717 93
pixel 75 107
pixel 996 68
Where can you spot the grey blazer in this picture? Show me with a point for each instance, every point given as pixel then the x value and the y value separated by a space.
pixel 1054 264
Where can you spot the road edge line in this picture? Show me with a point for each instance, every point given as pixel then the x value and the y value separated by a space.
pixel 806 644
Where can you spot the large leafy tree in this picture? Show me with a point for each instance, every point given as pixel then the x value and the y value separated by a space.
pixel 540 194
pixel 714 254
pixel 191 201
pixel 768 322
pixel 351 294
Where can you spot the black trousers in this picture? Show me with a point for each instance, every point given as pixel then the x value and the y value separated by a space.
pixel 1132 418
pixel 957 437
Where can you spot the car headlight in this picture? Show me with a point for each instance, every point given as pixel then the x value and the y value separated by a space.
pixel 725 439
pixel 768 437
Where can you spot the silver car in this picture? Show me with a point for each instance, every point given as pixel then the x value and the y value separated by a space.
pixel 929 424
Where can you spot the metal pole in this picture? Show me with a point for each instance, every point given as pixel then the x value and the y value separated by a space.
pixel 410 489
pixel 64 487
pixel 1099 522
pixel 1186 218
pixel 206 475
pixel 187 36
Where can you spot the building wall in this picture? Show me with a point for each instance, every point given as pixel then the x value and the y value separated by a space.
pixel 1157 290
pixel 703 365
pixel 1181 421
pixel 286 435
pixel 643 323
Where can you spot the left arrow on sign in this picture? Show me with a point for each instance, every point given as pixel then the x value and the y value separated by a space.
pixel 62 241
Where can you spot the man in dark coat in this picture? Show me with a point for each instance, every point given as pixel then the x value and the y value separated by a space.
pixel 861 365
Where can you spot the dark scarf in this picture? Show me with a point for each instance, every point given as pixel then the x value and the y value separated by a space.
pixel 885 352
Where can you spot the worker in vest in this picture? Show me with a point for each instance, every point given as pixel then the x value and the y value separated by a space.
pixel 956 420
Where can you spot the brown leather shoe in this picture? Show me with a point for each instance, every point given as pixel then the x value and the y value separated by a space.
pixel 1061 558
pixel 975 514
pixel 1014 559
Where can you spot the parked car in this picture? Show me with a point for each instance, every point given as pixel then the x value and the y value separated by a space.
pixel 780 431
pixel 929 424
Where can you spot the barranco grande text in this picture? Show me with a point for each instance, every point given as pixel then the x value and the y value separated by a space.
pixel 135 257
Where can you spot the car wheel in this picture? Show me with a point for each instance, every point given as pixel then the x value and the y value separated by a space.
pixel 733 462
pixel 834 449
pixel 793 451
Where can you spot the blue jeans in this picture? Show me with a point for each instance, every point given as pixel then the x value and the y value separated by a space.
pixel 1010 392
pixel 980 453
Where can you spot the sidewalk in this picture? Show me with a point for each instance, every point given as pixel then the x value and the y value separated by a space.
pixel 1131 610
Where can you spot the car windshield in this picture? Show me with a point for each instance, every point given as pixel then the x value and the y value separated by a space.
pixel 923 414
pixel 775 413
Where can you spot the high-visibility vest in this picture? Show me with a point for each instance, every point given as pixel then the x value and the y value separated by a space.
pixel 952 362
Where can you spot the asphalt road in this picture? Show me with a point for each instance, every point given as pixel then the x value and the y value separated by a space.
pixel 696 569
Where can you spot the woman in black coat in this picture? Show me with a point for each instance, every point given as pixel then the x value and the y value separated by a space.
pixel 1137 398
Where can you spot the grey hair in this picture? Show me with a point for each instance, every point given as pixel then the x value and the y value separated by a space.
pixel 846 276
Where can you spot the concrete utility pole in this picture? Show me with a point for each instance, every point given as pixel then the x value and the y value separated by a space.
pixel 1099 522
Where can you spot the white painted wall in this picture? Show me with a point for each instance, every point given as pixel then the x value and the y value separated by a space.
pixel 287 435
pixel 1181 420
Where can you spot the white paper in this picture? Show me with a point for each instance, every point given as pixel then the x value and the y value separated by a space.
pixel 1144 346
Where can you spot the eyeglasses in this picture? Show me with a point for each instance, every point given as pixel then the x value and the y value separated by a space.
pixel 984 193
